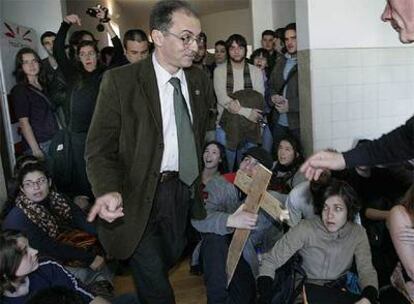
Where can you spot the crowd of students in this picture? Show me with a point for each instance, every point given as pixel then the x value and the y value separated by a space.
pixel 348 238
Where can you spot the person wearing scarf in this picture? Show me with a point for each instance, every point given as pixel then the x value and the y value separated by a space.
pixel 45 215
pixel 285 170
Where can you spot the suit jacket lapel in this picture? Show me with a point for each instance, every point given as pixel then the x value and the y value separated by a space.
pixel 150 88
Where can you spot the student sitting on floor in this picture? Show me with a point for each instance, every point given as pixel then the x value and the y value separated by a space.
pixel 328 246
pixel 225 213
pixel 214 165
pixel 285 170
pixel 48 219
pixel 22 275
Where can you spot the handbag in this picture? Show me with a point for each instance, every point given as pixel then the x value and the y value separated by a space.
pixel 398 282
pixel 59 161
pixel 82 240
pixel 289 281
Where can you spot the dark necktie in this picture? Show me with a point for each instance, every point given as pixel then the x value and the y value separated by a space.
pixel 187 153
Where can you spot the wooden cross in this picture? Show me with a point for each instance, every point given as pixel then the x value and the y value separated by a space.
pixel 257 197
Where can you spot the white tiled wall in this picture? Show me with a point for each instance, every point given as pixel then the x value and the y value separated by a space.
pixel 359 93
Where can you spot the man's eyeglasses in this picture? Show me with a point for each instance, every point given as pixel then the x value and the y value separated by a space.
pixel 89 54
pixel 32 184
pixel 187 39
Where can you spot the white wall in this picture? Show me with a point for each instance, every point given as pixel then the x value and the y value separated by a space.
pixel 343 24
pixel 270 15
pixel 262 19
pixel 123 18
pixel 283 12
pixel 41 15
pixel 359 93
pixel 361 76
pixel 219 26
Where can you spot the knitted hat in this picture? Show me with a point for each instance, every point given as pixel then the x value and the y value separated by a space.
pixel 261 155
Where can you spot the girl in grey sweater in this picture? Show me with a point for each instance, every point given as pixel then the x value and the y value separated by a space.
pixel 328 244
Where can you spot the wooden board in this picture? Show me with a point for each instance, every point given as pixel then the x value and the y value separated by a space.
pixel 269 204
pixel 255 196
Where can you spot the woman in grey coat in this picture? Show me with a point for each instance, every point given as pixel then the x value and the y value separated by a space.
pixel 328 245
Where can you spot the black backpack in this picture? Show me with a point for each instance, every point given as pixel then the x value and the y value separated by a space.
pixel 284 287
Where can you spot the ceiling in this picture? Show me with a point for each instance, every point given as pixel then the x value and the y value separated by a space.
pixel 203 7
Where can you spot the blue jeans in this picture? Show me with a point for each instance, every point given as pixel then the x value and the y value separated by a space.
pixel 242 288
pixel 267 139
pixel 44 146
pixel 234 157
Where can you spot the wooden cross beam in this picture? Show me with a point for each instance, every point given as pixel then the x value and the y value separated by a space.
pixel 257 197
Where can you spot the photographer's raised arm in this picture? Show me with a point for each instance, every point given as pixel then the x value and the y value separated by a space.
pixel 65 64
pixel 118 48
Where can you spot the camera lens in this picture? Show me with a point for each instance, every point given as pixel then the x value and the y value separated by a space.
pixel 91 12
pixel 100 28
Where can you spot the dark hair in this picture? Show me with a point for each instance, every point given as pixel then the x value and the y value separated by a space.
pixel 56 294
pixel 220 42
pixel 203 38
pixel 108 50
pixel 10 257
pixel 345 192
pixel 261 155
pixel 76 38
pixel 297 147
pixel 161 13
pixel 268 33
pixel 87 43
pixel 290 26
pixel 23 161
pixel 83 44
pixel 317 187
pixel 32 167
pixel 280 33
pixel 47 34
pixel 19 74
pixel 134 35
pixel 259 52
pixel 240 41
pixel 223 165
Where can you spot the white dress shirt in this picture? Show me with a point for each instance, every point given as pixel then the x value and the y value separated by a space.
pixel 169 128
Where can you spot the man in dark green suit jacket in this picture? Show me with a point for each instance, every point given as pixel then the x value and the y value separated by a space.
pixel 132 152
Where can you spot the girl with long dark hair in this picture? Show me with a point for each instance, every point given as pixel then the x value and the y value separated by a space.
pixel 33 108
pixel 285 172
